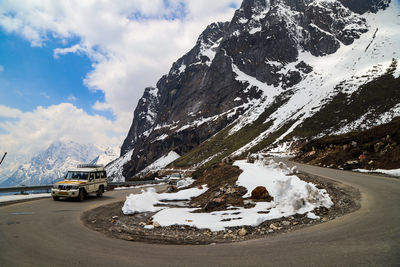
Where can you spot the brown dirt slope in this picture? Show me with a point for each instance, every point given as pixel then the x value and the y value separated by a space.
pixel 378 147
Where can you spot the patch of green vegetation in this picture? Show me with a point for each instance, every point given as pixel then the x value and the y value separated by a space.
pixel 375 97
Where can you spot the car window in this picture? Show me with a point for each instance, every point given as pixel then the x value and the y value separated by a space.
pixel 100 175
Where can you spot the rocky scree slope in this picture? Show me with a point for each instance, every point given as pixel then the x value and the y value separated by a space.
pixel 250 82
pixel 375 148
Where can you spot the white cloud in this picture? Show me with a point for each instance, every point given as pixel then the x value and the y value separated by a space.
pixel 128 51
pixel 72 98
pixel 1 68
pixel 29 132
pixel 7 112
pixel 73 49
pixel 128 54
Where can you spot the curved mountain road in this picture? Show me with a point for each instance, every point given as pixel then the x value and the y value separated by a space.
pixel 49 233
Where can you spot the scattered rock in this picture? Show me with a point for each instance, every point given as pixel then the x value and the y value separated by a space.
pixel 215 203
pixel 242 232
pixel 362 157
pixel 227 160
pixel 172 189
pixel 286 223
pixel 248 203
pixel 115 217
pixel 217 194
pixel 156 225
pixel 274 227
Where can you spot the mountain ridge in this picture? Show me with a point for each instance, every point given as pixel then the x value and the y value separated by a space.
pixel 268 58
pixel 51 164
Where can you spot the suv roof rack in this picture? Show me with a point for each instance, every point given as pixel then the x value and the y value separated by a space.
pixel 89 166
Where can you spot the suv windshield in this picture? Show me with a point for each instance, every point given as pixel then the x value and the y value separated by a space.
pixel 77 176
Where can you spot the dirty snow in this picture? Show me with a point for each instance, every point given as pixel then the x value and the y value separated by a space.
pixel 394 172
pixel 184 182
pixel 22 197
pixel 114 169
pixel 291 196
pixel 147 200
pixel 135 186
pixel 161 162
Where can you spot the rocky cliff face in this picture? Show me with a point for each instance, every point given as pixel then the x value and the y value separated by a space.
pixel 269 54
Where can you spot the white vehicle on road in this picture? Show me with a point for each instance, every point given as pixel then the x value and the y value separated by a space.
pixel 174 178
pixel 81 181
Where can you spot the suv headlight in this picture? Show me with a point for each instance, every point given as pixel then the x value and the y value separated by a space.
pixel 55 186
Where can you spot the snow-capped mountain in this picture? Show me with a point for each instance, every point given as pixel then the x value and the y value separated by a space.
pixel 107 156
pixel 51 164
pixel 279 71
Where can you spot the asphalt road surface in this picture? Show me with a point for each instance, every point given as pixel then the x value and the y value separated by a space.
pixel 49 233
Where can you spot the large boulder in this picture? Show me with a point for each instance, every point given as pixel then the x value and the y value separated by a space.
pixel 260 193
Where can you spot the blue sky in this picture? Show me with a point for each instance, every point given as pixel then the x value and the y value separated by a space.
pixel 32 77
pixel 106 51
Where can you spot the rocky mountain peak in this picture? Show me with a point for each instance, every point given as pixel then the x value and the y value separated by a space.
pixel 255 59
pixel 363 6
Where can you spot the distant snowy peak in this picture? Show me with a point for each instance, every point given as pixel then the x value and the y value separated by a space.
pixel 107 156
pixel 52 163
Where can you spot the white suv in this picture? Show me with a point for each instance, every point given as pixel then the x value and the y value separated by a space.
pixel 80 182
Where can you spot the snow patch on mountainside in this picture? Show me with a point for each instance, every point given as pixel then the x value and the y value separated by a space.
pixel 351 66
pixel 107 156
pixel 161 162
pixel 114 169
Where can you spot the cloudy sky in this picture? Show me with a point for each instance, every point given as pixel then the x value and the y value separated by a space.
pixel 73 70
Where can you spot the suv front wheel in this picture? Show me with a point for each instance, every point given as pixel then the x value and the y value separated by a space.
pixel 100 191
pixel 81 195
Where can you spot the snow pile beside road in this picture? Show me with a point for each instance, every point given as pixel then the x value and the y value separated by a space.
pixel 147 200
pixel 141 203
pixel 8 198
pixel 394 172
pixel 291 196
